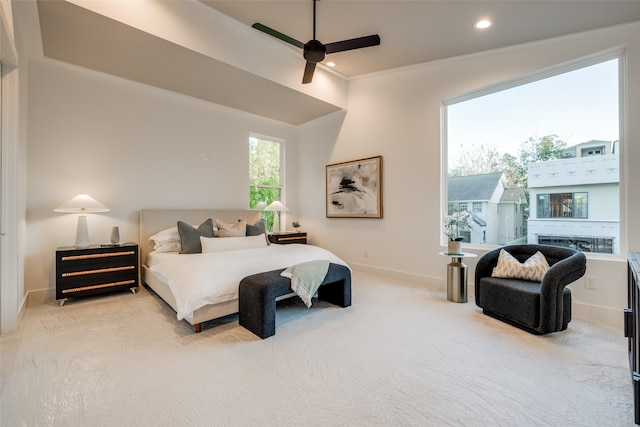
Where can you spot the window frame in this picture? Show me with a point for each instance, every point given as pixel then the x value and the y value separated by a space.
pixel 616 53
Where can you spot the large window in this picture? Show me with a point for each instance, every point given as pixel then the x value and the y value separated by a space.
pixel 536 153
pixel 265 174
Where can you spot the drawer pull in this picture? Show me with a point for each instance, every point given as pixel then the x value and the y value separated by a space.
pixel 94 256
pixel 98 271
pixel 104 285
pixel 282 239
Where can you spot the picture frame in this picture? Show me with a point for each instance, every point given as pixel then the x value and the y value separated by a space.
pixel 354 189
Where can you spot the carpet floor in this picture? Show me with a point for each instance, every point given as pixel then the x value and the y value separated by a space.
pixel 402 355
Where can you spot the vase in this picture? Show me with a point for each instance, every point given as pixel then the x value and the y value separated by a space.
pixel 454 247
pixel 115 235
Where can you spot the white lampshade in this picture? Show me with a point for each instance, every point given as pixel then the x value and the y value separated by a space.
pixel 81 204
pixel 278 207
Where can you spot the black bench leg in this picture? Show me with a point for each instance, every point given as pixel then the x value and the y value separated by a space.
pixel 338 293
pixel 336 287
pixel 258 312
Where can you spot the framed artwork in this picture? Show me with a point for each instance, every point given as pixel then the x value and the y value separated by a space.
pixel 354 189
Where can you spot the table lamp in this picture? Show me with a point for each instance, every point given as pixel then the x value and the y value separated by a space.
pixel 82 204
pixel 278 207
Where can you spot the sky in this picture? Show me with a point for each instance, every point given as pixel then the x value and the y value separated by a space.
pixel 578 106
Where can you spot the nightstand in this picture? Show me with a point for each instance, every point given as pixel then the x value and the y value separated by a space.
pixel 95 270
pixel 286 237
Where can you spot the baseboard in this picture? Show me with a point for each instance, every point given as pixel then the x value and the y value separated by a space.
pixel 605 316
pixel 611 317
pixel 40 296
pixel 431 282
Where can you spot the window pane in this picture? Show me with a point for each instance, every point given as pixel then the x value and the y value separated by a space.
pixel 264 176
pixel 264 162
pixel 532 155
pixel 544 206
pixel 580 204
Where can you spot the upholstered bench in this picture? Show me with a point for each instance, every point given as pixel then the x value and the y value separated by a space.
pixel 258 294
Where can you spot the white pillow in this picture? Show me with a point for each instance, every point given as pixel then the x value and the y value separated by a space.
pixel 217 244
pixel 167 240
pixel 532 269
pixel 239 229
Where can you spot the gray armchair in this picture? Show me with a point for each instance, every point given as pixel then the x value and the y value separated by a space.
pixel 536 307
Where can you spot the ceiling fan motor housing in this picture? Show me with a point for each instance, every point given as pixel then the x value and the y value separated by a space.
pixel 314 51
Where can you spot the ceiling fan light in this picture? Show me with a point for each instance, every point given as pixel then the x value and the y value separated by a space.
pixel 331 64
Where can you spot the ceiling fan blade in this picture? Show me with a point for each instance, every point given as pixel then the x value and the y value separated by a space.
pixel 308 72
pixel 350 44
pixel 278 35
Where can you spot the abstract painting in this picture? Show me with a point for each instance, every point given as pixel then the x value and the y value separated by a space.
pixel 354 189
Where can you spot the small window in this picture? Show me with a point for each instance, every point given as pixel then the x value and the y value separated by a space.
pixel 265 174
pixel 462 207
pixel 477 207
pixel 562 205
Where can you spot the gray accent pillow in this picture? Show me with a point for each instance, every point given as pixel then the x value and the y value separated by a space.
pixel 257 229
pixel 190 237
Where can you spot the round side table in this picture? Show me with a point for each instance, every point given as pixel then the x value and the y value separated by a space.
pixel 457 276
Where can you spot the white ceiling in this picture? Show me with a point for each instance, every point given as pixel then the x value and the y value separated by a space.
pixel 412 32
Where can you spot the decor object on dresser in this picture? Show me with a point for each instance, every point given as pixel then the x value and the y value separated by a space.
pixel 203 285
pixel 278 208
pixel 354 189
pixel 82 204
pixel 513 284
pixel 115 235
pixel 287 237
pixel 95 270
pixel 632 326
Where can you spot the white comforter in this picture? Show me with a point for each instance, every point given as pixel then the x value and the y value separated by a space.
pixel 200 279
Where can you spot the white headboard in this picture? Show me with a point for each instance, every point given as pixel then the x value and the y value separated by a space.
pixel 154 220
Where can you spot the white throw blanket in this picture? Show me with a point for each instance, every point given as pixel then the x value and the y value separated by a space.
pixel 200 279
pixel 306 278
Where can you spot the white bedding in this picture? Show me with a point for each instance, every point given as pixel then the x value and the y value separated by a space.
pixel 209 278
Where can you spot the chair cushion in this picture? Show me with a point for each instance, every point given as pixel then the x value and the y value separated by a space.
pixel 512 298
pixel 518 300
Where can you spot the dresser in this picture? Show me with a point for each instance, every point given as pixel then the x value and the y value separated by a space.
pixel 632 326
pixel 95 270
pixel 286 237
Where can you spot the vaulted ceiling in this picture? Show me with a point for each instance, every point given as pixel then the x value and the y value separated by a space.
pixel 208 50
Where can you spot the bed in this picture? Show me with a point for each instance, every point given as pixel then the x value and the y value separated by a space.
pixel 176 277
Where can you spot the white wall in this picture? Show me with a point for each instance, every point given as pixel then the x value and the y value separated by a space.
pixel 398 115
pixel 130 147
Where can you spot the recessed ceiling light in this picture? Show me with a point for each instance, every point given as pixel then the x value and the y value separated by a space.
pixel 482 24
pixel 331 64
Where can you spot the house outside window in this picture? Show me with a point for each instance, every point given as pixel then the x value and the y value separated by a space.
pixel 265 174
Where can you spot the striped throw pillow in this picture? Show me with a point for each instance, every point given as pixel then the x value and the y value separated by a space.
pixel 532 269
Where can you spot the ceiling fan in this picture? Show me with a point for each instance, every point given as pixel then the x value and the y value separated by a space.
pixel 314 51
